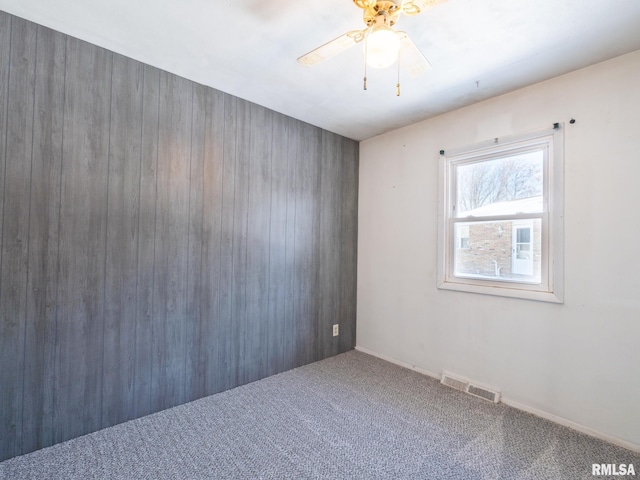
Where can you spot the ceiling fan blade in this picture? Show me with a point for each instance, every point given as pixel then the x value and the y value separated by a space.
pixel 409 7
pixel 333 48
pixel 411 58
pixel 426 4
pixel 414 7
pixel 364 4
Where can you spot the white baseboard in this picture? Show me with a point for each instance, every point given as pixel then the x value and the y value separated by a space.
pixel 519 406
pixel 572 425
pixel 398 362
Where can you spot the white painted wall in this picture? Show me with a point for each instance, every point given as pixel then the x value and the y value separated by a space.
pixel 579 361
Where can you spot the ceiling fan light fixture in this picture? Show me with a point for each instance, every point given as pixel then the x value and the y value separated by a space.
pixel 381 47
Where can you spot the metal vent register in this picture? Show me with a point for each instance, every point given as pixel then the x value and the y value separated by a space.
pixel 470 388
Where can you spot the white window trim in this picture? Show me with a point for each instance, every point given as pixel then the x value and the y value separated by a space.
pixel 552 289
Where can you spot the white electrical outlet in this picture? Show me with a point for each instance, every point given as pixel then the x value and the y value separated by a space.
pixel 336 330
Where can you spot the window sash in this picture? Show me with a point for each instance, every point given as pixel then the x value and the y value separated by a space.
pixel 497 153
pixel 545 280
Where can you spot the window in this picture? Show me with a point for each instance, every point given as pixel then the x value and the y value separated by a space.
pixel 501 218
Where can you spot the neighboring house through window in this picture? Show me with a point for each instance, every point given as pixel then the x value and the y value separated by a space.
pixel 501 218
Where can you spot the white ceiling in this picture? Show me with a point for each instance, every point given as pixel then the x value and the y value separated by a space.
pixel 248 48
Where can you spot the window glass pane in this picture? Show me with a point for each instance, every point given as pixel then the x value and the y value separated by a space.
pixel 523 235
pixel 508 251
pixel 503 186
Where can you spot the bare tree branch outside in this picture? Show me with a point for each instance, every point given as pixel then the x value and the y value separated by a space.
pixel 499 180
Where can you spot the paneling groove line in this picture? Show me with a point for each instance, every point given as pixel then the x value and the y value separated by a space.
pixel 160 240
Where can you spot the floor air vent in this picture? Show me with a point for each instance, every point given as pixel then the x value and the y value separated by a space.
pixel 465 386
pixel 484 393
pixel 450 381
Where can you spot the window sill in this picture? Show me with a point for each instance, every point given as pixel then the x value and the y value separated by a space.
pixel 503 291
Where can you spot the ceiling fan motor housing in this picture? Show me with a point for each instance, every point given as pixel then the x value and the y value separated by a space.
pixel 388 9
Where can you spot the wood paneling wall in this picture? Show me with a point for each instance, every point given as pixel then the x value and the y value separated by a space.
pixel 160 240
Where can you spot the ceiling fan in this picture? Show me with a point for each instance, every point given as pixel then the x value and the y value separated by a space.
pixel 382 45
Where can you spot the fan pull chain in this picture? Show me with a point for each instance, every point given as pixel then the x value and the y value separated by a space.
pixel 398 84
pixel 365 73
pixel 365 60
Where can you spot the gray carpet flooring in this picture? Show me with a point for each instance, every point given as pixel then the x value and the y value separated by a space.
pixel 352 416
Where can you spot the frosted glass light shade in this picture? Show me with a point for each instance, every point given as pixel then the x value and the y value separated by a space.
pixel 382 46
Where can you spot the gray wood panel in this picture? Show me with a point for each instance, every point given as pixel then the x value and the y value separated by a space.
pixel 307 226
pixel 279 270
pixel 160 240
pixel 227 352
pixel 329 246
pixel 44 218
pixel 146 242
pixel 239 250
pixel 81 276
pixel 171 242
pixel 290 323
pixel 213 206
pixel 195 321
pixel 258 243
pixel 348 243
pixel 5 54
pixel 8 404
pixel 123 206
pixel 15 228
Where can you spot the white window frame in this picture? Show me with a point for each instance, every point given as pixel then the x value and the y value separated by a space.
pixel 551 288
